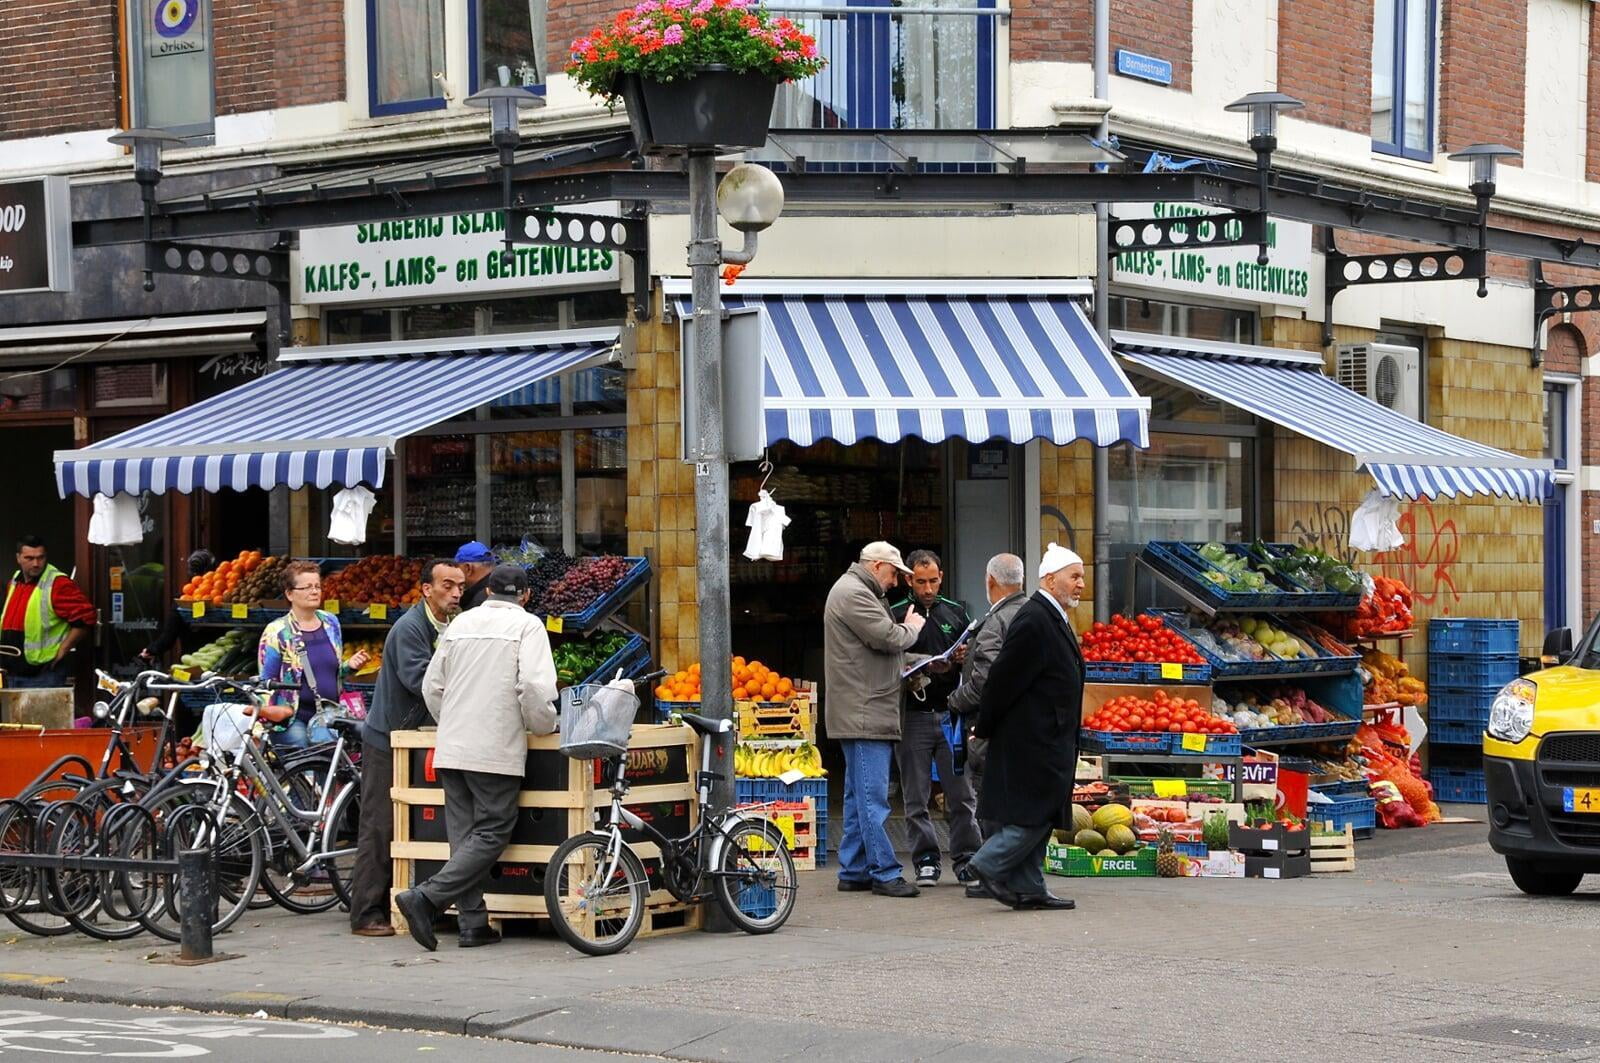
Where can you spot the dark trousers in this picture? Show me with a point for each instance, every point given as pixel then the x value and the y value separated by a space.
pixel 1013 858
pixel 922 745
pixel 374 872
pixel 480 812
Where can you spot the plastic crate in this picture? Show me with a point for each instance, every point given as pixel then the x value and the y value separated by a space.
pixel 1459 785
pixel 1453 635
pixel 1357 787
pixel 1461 705
pixel 1331 600
pixel 627 658
pixel 1357 811
pixel 1186 565
pixel 1471 670
pixel 638 573
pixel 1451 733
pixel 1150 742
pixel 755 791
pixel 1143 672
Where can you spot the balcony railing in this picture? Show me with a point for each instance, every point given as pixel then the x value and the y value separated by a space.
pixel 897 67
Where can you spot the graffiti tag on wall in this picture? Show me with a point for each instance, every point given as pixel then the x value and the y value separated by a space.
pixel 1426 563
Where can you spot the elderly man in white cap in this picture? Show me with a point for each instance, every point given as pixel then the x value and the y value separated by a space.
pixel 864 654
pixel 1029 713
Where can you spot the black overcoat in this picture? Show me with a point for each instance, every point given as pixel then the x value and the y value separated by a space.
pixel 1031 708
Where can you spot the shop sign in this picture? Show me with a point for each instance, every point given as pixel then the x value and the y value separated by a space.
pixel 1226 272
pixel 35 235
pixel 449 256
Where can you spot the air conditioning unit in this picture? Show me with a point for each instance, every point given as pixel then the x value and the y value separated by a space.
pixel 1386 373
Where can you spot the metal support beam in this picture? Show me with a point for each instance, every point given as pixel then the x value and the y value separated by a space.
pixel 1187 233
pixel 222 263
pixel 1351 271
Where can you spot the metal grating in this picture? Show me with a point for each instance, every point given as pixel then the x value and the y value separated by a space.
pixel 1542 1036
pixel 1571 749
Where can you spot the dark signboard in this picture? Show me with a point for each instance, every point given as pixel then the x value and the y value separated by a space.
pixel 35 235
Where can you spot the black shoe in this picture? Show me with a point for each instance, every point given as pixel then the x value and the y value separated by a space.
pixel 895 888
pixel 1044 902
pixel 964 873
pixel 853 885
pixel 978 891
pixel 994 889
pixel 927 873
pixel 420 914
pixel 477 936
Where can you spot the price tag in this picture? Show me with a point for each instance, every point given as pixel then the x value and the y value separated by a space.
pixel 331 605
pixel 1171 671
pixel 378 612
pixel 116 577
pixel 1170 787
pixel 198 609
pixel 554 624
pixel 241 612
pixel 1194 743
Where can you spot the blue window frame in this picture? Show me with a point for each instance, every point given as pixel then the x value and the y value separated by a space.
pixel 405 48
pixel 508 44
pixel 1404 61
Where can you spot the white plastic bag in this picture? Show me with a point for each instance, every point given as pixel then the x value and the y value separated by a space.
pixel 115 521
pixel 766 521
pixel 1375 525
pixel 224 727
pixel 348 522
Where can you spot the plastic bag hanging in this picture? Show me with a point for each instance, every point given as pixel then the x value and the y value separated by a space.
pixel 351 508
pixel 116 521
pixel 1375 525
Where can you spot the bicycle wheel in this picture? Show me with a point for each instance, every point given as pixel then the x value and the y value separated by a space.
pixel 89 899
pixel 17 884
pixel 339 839
pixel 307 893
pixel 595 903
pixel 235 842
pixel 754 877
pixel 32 830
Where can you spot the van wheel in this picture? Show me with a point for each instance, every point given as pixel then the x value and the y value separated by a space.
pixel 1530 879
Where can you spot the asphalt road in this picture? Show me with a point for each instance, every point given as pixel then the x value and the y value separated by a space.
pixel 114 1031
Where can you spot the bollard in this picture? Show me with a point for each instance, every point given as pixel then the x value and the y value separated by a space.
pixel 197 897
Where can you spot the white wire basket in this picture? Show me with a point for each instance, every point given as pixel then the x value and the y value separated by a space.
pixel 596 720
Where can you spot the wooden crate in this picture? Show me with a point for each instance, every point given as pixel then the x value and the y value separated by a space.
pixel 1333 852
pixel 558 800
pixel 802 819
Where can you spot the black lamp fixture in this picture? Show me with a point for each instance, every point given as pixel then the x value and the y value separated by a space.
pixel 503 103
pixel 1263 108
pixel 1483 160
pixel 147 145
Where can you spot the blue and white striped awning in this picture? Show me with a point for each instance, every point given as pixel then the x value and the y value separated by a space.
pixel 330 416
pixel 977 367
pixel 1408 459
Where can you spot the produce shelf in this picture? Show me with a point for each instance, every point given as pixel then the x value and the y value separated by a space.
pixel 1194 592
pixel 1143 672
pixel 1223 671
pixel 1332 601
pixel 1167 745
pixel 638 575
pixel 634 653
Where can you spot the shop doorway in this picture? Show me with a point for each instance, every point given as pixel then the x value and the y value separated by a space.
pixel 33 507
pixel 1557 508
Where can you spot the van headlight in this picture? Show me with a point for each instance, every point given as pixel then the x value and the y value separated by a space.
pixel 1511 717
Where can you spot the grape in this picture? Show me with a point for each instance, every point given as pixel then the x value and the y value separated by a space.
pixel 576 585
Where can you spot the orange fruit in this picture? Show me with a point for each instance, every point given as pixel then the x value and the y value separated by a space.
pixel 768 691
pixel 663 694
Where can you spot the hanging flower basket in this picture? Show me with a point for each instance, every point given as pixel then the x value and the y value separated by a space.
pixel 694 74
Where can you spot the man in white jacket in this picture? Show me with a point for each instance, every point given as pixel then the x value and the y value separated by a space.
pixel 491 681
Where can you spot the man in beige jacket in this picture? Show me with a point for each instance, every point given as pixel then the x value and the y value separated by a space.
pixel 491 681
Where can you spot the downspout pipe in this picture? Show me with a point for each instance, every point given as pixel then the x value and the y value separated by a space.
pixel 1102 318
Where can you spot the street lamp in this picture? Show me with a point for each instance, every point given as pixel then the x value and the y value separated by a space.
pixel 503 102
pixel 1483 160
pixel 749 198
pixel 147 145
pixel 1263 108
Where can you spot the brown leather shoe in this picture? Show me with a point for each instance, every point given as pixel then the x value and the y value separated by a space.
pixel 374 930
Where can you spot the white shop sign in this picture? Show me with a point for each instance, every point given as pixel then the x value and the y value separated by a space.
pixel 450 256
pixel 1227 272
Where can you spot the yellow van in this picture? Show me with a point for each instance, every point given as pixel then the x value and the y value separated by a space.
pixel 1541 765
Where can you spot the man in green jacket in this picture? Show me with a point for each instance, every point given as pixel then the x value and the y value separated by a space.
pixel 864 654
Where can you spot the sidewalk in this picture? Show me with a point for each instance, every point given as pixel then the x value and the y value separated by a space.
pixel 1347 967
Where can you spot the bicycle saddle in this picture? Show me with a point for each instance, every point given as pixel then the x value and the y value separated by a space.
pixel 706 726
pixel 346 724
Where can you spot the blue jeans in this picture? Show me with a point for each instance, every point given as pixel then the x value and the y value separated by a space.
pixel 1013 858
pixel 866 852
pixel 301 733
pixel 50 677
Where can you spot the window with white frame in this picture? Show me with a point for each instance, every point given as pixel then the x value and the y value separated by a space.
pixel 1404 63
pixel 418 51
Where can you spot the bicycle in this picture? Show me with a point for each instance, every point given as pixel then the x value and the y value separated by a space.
pixel 596 887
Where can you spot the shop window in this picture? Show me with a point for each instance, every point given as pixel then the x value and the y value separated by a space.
pixel 405 49
pixel 525 489
pixel 1403 61
pixel 130 384
pixel 1130 313
pixel 32 391
pixel 168 52
pixel 357 326
pixel 431 321
pixel 601 460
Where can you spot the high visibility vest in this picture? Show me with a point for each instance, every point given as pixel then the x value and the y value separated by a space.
pixel 43 632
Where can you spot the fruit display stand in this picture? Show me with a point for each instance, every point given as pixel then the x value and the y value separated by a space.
pixel 559 798
pixel 1188 750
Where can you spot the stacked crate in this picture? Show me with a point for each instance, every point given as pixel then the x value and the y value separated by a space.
pixel 1468 662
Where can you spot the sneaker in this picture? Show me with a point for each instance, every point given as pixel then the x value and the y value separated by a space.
pixel 895 888
pixel 928 874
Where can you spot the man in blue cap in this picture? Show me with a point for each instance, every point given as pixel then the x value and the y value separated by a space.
pixel 476 562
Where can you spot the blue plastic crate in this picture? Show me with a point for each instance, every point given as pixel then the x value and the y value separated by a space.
pixel 1463 635
pixel 627 659
pixel 1185 564
pixel 1459 785
pixel 1137 742
pixel 1142 672
pixel 1357 787
pixel 753 791
pixel 1451 733
pixel 1358 811
pixel 1332 600
pixel 1461 705
pixel 638 573
pixel 1471 670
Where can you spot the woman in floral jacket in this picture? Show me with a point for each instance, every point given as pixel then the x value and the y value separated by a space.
pixel 303 648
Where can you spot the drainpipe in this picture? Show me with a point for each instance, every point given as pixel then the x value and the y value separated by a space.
pixel 1102 318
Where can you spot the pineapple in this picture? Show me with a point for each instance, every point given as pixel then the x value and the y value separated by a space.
pixel 1168 863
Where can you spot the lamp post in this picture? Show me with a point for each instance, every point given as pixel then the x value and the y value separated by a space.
pixel 147 145
pixel 504 103
pixel 1484 159
pixel 750 198
pixel 1263 108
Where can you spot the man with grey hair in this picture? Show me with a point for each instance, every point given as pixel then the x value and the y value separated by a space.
pixel 1002 583
pixel 1029 711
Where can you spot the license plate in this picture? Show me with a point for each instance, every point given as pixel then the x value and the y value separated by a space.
pixel 1580 799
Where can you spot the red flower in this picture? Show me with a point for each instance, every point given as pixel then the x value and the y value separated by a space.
pixel 698 23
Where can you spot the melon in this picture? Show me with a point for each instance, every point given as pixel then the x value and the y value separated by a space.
pixel 1121 839
pixel 1107 816
pixel 1091 840
pixel 1080 819
pixel 1108 852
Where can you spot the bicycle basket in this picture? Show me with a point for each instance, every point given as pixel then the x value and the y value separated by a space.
pixel 224 727
pixel 596 720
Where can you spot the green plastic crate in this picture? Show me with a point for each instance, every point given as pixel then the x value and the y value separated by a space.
pixel 1073 862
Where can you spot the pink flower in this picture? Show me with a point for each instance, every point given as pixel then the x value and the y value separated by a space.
pixel 702 7
pixel 789 57
pixel 644 7
pixel 674 35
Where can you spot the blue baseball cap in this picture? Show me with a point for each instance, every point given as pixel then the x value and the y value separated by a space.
pixel 475 553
